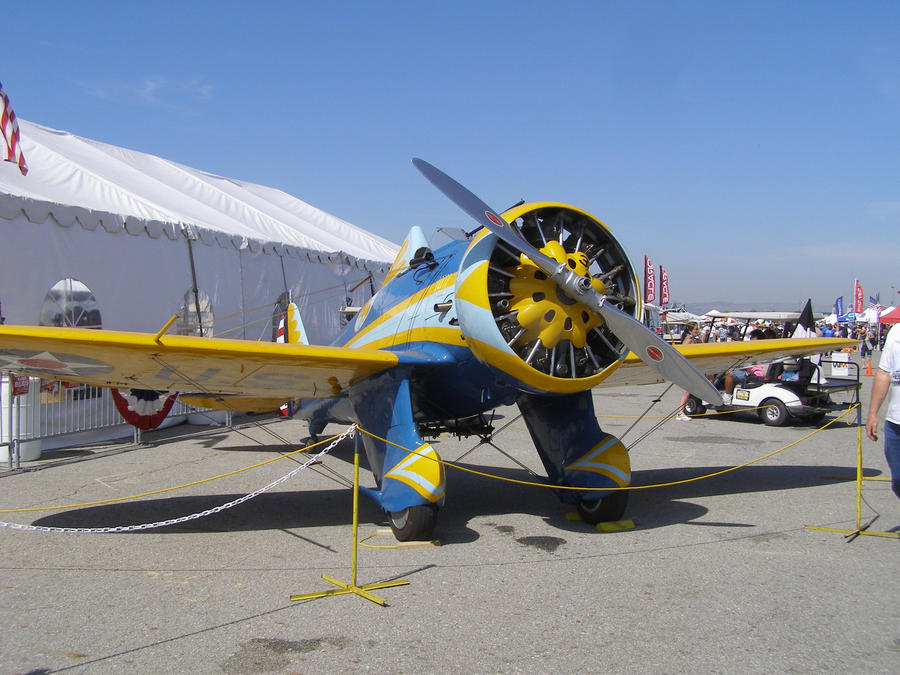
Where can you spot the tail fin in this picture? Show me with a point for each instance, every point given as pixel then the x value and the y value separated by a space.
pixel 412 247
pixel 290 328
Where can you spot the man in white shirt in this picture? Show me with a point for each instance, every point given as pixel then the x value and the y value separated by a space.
pixel 887 381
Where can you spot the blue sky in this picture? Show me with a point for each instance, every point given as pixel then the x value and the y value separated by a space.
pixel 752 148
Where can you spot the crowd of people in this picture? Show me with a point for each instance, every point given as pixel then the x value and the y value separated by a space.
pixel 869 337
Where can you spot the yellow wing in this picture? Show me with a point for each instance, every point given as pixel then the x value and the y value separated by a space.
pixel 717 357
pixel 186 364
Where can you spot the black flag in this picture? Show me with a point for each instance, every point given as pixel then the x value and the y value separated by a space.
pixel 806 326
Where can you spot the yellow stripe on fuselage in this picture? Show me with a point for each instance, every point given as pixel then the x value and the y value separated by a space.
pixel 399 308
pixel 398 265
pixel 436 334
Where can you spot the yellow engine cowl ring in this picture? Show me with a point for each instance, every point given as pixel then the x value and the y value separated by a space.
pixel 515 319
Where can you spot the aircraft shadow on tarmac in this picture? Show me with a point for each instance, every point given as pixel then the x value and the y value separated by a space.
pixel 469 498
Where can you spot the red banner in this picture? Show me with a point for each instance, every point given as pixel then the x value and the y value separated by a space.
pixel 649 281
pixel 858 299
pixel 663 287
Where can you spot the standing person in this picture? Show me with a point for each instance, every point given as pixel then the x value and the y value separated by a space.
pixel 691 335
pixel 887 381
pixel 868 344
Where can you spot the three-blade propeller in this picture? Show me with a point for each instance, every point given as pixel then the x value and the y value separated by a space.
pixel 652 350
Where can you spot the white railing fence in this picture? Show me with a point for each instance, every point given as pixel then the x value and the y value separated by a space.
pixel 57 415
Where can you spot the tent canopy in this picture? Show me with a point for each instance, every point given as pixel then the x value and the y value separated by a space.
pixel 891 317
pixel 757 316
pixel 69 170
pixel 681 317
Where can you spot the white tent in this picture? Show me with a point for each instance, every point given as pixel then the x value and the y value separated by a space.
pixel 682 317
pixel 149 237
pixel 872 315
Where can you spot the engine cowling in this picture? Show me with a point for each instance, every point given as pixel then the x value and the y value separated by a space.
pixel 515 319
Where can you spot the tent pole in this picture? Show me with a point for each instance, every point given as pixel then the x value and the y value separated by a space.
pixel 195 289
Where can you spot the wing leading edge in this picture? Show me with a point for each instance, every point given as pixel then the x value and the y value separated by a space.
pixel 187 364
pixel 717 357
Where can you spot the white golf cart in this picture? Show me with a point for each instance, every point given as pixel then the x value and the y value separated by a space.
pixel 791 389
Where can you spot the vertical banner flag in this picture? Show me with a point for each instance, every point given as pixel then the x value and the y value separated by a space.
pixel 649 281
pixel 839 305
pixel 663 287
pixel 10 128
pixel 858 298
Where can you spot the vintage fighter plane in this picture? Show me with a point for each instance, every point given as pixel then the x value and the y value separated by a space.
pixel 535 308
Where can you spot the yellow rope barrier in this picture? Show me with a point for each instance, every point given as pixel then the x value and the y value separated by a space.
pixel 706 414
pixel 453 465
pixel 169 489
pixel 516 481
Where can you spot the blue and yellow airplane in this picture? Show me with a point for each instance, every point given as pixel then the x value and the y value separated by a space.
pixel 535 308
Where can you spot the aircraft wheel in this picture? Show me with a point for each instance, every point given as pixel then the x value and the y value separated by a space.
pixel 774 412
pixel 414 523
pixel 604 510
pixel 694 406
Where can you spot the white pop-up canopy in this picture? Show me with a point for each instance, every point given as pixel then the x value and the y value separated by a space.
pixel 74 171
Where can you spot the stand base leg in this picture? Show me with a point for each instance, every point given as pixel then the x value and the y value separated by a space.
pixel 361 591
pixel 852 534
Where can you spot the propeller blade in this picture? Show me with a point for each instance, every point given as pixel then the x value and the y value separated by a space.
pixel 658 354
pixel 651 349
pixel 483 214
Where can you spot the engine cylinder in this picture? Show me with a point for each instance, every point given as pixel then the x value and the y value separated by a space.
pixel 516 319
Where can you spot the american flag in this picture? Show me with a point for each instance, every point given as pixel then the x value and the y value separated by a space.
pixel 10 128
pixel 875 303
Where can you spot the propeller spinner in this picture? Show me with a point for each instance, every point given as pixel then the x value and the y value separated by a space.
pixel 652 350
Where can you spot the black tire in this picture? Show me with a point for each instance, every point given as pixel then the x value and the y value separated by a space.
pixel 694 406
pixel 415 523
pixel 774 413
pixel 608 509
pixel 816 417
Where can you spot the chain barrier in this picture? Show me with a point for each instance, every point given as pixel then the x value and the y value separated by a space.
pixel 195 516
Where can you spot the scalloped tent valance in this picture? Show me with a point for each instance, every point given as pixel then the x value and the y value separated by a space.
pixel 74 180
pixel 39 212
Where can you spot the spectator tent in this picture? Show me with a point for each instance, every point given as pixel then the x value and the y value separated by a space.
pixel 98 235
pixel 891 316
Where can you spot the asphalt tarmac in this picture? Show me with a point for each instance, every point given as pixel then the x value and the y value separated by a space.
pixel 716 575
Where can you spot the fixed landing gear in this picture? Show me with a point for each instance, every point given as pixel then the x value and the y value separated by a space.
pixel 414 523
pixel 607 509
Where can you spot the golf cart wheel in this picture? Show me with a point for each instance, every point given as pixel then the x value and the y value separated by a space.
pixel 414 523
pixel 694 406
pixel 774 412
pixel 604 510
pixel 815 418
